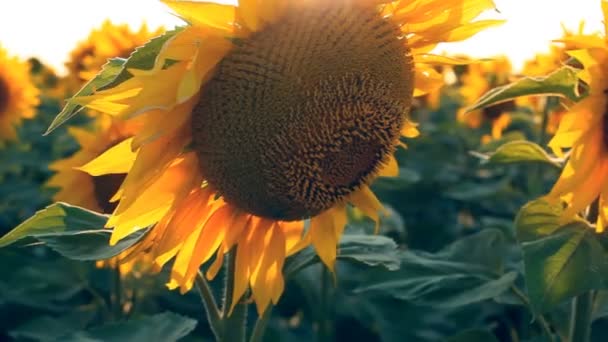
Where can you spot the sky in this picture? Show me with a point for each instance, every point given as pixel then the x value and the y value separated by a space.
pixel 49 30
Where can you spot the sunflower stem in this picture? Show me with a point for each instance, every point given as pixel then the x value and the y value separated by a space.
pixel 536 186
pixel 260 326
pixel 235 322
pixel 210 305
pixel 539 318
pixel 117 302
pixel 324 332
pixel 542 136
pixel 580 319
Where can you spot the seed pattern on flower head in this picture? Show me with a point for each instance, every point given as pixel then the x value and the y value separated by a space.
pixel 287 127
pixel 291 118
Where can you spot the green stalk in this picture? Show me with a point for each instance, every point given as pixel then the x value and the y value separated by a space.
pixel 535 183
pixel 325 330
pixel 540 318
pixel 235 324
pixel 213 313
pixel 580 319
pixel 582 305
pixel 117 303
pixel 260 326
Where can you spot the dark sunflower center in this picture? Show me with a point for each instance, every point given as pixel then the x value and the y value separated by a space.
pixel 105 186
pixel 302 113
pixel 4 96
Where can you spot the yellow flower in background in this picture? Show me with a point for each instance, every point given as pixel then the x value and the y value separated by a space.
pixel 584 130
pixel 270 113
pixel 94 192
pixel 477 79
pixel 109 41
pixel 78 187
pixel 18 95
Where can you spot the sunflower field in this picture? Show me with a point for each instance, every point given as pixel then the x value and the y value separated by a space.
pixel 311 170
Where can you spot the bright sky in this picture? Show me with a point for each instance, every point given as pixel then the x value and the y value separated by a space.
pixel 49 30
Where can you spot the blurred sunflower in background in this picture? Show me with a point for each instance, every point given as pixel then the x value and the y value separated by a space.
pixel 109 41
pixel 94 192
pixel 18 94
pixel 477 79
pixel 260 116
pixel 584 130
pixel 78 187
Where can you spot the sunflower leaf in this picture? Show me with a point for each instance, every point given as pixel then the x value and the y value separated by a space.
pixel 114 73
pixel 74 232
pixel 562 82
pixel 108 73
pixel 561 260
pixel 466 272
pixel 143 58
pixel 519 151
pixel 166 326
pixel 370 250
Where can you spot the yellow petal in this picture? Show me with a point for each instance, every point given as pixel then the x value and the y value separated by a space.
pixel 365 200
pixel 390 168
pixel 118 159
pixel 214 16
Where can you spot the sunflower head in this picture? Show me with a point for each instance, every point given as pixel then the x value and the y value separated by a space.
pixel 289 137
pixel 262 115
pixel 18 94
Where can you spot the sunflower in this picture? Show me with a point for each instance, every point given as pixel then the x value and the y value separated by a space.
pixel 477 79
pixel 266 115
pixel 110 40
pixel 78 187
pixel 18 95
pixel 584 130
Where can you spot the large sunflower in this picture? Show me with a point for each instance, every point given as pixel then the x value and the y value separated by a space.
pixel 584 130
pixel 110 40
pixel 263 115
pixel 18 95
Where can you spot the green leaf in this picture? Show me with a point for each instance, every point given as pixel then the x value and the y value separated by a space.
pixel 520 151
pixel 49 328
pixel 473 336
pixel 114 73
pixel 561 261
pixel 166 326
pixel 465 272
pixel 562 82
pixel 143 58
pixel 370 250
pixel 56 219
pixel 108 73
pixel 74 232
pixel 474 190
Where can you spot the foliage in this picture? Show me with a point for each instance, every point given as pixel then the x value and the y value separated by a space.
pixel 469 252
